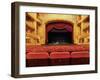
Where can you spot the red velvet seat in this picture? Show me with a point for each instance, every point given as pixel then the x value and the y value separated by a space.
pixel 81 57
pixel 60 58
pixel 37 59
pixel 37 55
pixel 57 48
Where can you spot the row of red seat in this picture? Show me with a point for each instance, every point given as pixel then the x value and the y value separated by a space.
pixel 56 48
pixel 56 58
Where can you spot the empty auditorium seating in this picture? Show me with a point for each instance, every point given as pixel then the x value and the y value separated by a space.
pixel 60 58
pixel 81 57
pixel 46 55
pixel 37 59
pixel 57 48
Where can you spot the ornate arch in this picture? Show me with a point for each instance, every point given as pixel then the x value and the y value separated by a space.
pixel 58 24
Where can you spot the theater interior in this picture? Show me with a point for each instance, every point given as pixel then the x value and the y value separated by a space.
pixel 57 39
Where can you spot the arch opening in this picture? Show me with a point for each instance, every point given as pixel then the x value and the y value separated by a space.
pixel 59 32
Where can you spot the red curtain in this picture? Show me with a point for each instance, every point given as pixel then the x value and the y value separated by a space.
pixel 58 25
